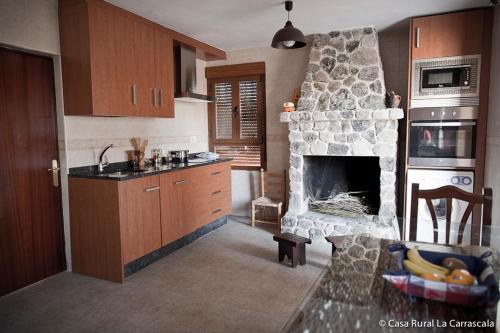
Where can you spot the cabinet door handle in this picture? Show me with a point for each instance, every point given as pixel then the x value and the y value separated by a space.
pixel 180 182
pixel 215 211
pixel 153 91
pixel 134 94
pixel 161 98
pixel 216 192
pixel 215 173
pixel 417 38
pixel 152 189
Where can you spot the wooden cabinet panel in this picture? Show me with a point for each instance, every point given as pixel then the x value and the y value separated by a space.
pixel 164 74
pixel 175 205
pixel 144 67
pixel 140 217
pixel 462 32
pixel 111 94
pixel 95 229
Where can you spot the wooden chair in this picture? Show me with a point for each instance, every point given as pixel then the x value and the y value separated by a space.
pixel 272 188
pixel 449 193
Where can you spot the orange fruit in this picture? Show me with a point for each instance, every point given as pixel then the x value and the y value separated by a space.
pixel 461 276
pixel 433 277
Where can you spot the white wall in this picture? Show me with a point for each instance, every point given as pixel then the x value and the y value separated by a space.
pixel 492 176
pixel 33 26
pixel 285 71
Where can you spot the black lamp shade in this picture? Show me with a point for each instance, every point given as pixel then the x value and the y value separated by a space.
pixel 288 38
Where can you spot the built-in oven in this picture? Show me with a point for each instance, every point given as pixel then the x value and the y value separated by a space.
pixel 449 81
pixel 443 137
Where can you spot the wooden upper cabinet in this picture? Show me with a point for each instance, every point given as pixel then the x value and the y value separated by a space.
pixel 447 35
pixel 114 63
pixel 143 67
pixel 139 217
pixel 164 63
pixel 110 80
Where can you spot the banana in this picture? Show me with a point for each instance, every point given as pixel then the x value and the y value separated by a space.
pixel 416 269
pixel 415 257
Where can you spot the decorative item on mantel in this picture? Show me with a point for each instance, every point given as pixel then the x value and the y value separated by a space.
pixel 392 100
pixel 288 107
pixel 139 148
pixel 296 96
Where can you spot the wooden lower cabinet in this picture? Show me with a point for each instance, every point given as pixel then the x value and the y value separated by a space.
pixel 116 222
pixel 193 198
pixel 174 205
pixel 139 217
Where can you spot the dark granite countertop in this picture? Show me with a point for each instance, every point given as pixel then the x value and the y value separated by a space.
pixel 352 296
pixel 121 171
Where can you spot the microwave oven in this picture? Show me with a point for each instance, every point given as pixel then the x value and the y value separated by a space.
pixel 450 81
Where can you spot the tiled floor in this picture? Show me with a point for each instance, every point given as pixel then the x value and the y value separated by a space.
pixel 227 281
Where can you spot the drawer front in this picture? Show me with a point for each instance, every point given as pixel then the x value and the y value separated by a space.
pixel 210 183
pixel 212 211
pixel 212 173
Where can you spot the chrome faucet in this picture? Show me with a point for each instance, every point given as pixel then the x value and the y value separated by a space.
pixel 100 165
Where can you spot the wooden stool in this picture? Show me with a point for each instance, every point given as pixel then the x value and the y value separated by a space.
pixel 336 242
pixel 293 246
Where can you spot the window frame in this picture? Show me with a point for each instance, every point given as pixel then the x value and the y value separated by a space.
pixel 236 74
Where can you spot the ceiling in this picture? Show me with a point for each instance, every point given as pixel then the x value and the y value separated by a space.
pixel 238 24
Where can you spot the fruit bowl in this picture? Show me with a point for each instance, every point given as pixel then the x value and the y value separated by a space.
pixel 415 264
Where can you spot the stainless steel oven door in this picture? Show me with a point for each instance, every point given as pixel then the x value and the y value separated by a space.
pixel 443 137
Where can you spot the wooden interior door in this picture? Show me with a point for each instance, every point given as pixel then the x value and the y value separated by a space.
pixel 31 228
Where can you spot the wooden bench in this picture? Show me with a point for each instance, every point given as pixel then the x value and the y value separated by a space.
pixel 293 246
pixel 336 242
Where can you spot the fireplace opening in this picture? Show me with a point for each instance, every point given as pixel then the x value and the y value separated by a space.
pixel 342 185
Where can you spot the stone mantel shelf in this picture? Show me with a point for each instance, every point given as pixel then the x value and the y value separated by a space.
pixel 382 114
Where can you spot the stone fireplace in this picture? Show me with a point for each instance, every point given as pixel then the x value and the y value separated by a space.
pixel 343 132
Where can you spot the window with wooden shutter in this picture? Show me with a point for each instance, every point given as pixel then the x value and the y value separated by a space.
pixel 237 117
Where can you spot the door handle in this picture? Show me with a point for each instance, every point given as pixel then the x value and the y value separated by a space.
pixel 215 211
pixel 179 182
pixel 153 91
pixel 134 94
pixel 417 38
pixel 161 98
pixel 152 189
pixel 216 192
pixel 55 173
pixel 215 173
pixel 236 112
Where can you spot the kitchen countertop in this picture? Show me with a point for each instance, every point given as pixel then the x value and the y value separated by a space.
pixel 121 171
pixel 352 296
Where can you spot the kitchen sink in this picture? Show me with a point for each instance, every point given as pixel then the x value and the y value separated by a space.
pixel 115 174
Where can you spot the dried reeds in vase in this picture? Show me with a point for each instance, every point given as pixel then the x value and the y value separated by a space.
pixel 139 146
